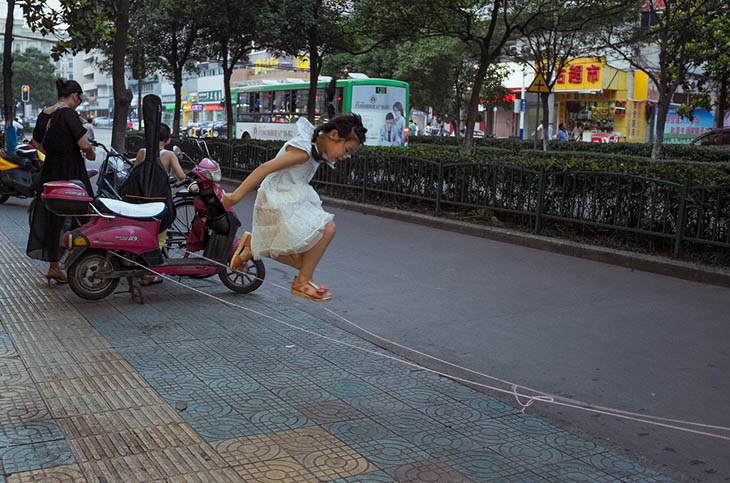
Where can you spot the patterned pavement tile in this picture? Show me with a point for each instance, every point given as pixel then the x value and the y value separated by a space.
pixel 349 388
pixel 273 471
pixel 329 411
pixel 390 452
pixel 279 419
pixel 453 413
pixel 250 449
pixel 185 391
pixel 574 471
pixel 221 475
pixel 572 445
pixel 491 432
pixel 529 425
pixel 56 474
pixel 335 462
pixel 168 376
pixel 30 432
pixel 262 363
pixel 305 440
pixel 408 422
pixel 483 464
pixel 256 402
pixel 303 394
pixel 531 451
pixel 27 406
pixel 326 373
pixel 226 427
pixel 205 406
pixel 212 372
pixel 133 468
pixel 622 468
pixel 378 403
pixel 431 470
pixel 279 379
pixel 16 459
pixel 186 460
pixel 419 397
pixel 374 477
pixel 105 446
pixel 234 386
pixel 488 406
pixel 442 442
pixel 358 430
pixel 385 382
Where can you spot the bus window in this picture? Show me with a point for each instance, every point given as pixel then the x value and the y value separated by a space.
pixel 266 98
pixel 243 101
pixel 254 104
pixel 278 101
pixel 301 105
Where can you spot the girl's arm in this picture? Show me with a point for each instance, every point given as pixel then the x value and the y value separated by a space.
pixel 291 157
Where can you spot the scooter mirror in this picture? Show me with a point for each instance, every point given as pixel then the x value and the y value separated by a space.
pixel 177 151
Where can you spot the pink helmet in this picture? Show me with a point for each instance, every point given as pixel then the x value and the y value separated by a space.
pixel 209 169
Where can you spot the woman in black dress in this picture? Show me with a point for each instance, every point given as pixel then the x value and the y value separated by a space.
pixel 63 138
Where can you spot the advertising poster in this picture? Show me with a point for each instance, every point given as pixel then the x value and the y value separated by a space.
pixel 382 110
pixel 680 130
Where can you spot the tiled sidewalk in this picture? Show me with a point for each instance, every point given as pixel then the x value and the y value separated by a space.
pixel 184 388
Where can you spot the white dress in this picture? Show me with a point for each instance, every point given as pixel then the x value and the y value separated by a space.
pixel 288 216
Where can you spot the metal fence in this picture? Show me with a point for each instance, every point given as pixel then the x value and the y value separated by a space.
pixel 681 212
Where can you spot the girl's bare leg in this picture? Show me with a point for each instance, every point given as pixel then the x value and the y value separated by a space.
pixel 293 260
pixel 311 257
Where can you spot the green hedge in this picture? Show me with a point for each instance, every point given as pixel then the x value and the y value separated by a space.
pixel 685 152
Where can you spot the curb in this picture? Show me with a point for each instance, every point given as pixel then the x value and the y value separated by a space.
pixel 635 261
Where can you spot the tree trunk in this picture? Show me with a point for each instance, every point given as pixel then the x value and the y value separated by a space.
pixel 662 109
pixel 545 97
pixel 227 73
pixel 177 84
pixel 471 112
pixel 122 95
pixel 8 101
pixel 315 65
pixel 721 102
pixel 139 103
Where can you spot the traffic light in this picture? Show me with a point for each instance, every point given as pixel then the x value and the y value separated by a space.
pixel 25 97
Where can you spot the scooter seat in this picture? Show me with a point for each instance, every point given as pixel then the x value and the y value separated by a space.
pixel 132 210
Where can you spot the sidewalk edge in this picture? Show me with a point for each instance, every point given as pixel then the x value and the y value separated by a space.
pixel 623 258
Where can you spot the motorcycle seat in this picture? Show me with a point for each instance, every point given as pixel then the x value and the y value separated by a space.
pixel 142 211
pixel 22 161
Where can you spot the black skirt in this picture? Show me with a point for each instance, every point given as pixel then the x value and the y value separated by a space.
pixel 44 240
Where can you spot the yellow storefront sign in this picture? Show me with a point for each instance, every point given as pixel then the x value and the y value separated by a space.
pixel 582 74
pixel 302 62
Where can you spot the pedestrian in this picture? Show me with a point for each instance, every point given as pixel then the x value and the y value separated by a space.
pixel 388 133
pixel 577 134
pixel 11 138
pixel 562 133
pixel 63 138
pixel 413 128
pixel 89 126
pixel 289 224
pixel 398 124
pixel 18 128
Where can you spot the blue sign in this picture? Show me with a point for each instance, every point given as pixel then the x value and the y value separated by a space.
pixel 681 130
pixel 523 105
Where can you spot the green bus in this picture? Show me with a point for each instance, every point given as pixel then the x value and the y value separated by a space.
pixel 270 108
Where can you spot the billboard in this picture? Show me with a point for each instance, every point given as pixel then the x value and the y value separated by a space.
pixel 382 108
pixel 680 130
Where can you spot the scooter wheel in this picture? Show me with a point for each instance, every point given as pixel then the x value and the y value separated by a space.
pixel 245 280
pixel 81 275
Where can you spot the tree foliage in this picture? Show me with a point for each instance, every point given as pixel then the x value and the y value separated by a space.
pixel 35 69
pixel 670 50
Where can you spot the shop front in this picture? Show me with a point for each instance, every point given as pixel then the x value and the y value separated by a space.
pixel 592 100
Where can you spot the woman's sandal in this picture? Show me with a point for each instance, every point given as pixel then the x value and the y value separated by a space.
pixel 242 253
pixel 150 279
pixel 310 291
pixel 58 276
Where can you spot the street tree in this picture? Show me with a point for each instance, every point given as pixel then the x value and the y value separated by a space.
pixel 317 28
pixel 551 40
pixel 483 26
pixel 228 42
pixel 35 69
pixel 39 17
pixel 103 25
pixel 170 30
pixel 669 47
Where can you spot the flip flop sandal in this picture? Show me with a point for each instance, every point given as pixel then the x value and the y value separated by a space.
pixel 243 252
pixel 310 291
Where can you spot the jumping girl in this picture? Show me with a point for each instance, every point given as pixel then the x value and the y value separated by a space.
pixel 289 224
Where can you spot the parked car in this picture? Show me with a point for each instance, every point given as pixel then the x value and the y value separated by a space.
pixel 714 137
pixel 103 121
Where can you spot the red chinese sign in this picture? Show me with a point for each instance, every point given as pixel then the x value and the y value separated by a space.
pixel 575 74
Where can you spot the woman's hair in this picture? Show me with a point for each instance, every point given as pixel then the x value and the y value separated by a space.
pixel 90 120
pixel 164 132
pixel 389 117
pixel 67 87
pixel 348 127
pixel 398 106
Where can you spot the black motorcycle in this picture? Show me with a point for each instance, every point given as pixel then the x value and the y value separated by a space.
pixel 19 173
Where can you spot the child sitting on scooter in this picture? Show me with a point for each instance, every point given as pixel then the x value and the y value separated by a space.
pixel 289 224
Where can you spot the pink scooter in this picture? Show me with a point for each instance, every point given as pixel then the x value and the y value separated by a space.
pixel 121 239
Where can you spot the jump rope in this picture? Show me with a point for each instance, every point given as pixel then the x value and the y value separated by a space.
pixel 518 391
